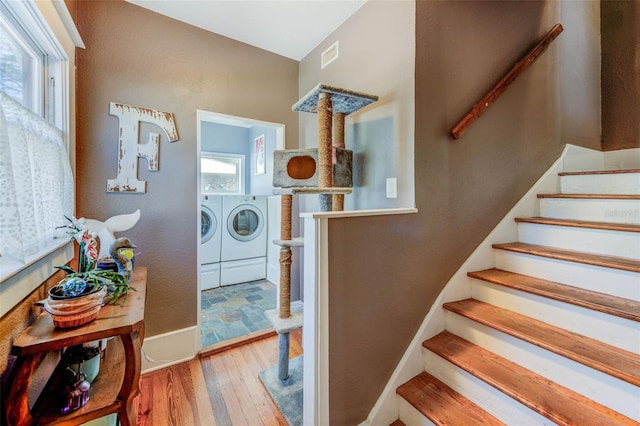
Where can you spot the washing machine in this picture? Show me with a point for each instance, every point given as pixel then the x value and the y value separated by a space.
pixel 211 240
pixel 244 239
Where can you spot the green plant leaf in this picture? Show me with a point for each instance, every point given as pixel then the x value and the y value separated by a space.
pixel 67 269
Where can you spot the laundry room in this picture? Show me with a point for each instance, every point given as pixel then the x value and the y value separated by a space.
pixel 239 219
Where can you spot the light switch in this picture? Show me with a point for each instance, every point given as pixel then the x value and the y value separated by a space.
pixel 392 188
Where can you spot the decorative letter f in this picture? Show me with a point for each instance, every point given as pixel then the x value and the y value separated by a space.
pixel 129 149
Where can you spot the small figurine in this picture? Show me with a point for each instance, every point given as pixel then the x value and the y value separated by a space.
pixel 77 392
pixel 118 251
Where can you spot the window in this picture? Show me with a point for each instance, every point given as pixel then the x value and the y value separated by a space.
pixel 221 173
pixel 21 65
pixel 35 169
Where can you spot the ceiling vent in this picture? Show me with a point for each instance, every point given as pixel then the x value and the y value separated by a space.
pixel 329 55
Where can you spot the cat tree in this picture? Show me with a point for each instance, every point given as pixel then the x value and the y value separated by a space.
pixel 325 171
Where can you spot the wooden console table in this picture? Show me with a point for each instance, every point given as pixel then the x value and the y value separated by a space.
pixel 115 387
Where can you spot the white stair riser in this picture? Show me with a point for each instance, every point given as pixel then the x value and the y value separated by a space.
pixel 489 398
pixel 597 210
pixel 602 388
pixel 616 183
pixel 599 241
pixel 609 329
pixel 604 280
pixel 410 416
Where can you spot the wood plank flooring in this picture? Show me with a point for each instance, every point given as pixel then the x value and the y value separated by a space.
pixel 221 389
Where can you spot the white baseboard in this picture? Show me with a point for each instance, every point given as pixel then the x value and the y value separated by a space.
pixel 273 272
pixel 169 348
pixel 622 159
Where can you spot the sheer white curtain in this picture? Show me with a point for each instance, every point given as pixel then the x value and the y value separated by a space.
pixel 36 182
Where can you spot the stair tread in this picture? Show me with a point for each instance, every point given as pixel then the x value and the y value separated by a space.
pixel 441 404
pixel 555 402
pixel 625 227
pixel 595 354
pixel 613 262
pixel 599 172
pixel 593 196
pixel 601 302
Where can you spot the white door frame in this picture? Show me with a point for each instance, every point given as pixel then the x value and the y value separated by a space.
pixel 214 117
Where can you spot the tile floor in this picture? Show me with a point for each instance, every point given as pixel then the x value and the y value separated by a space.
pixel 235 310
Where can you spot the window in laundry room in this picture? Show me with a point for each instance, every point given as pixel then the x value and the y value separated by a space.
pixel 222 173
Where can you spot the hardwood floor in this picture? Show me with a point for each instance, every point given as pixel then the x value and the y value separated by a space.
pixel 220 389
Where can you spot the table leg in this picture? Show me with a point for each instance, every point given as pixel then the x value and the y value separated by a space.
pixel 131 384
pixel 17 399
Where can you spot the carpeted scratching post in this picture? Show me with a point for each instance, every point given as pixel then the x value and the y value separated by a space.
pixel 338 143
pixel 325 148
pixel 284 308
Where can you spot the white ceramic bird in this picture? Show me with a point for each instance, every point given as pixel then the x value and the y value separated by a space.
pixel 104 230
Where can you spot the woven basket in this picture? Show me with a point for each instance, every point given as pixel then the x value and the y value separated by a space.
pixel 75 311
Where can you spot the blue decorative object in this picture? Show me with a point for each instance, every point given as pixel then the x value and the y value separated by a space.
pixel 74 286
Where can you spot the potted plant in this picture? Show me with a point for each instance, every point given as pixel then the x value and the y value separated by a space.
pixel 77 298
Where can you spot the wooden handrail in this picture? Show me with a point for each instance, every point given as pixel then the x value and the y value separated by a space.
pixel 484 103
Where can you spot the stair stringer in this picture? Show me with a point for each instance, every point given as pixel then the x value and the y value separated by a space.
pixel 573 158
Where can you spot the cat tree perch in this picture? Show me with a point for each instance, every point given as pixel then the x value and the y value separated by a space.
pixel 325 171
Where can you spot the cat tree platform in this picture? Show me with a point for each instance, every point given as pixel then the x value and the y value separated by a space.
pixel 311 190
pixel 294 242
pixel 285 325
pixel 344 101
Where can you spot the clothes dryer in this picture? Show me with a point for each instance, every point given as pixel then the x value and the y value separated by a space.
pixel 244 239
pixel 211 240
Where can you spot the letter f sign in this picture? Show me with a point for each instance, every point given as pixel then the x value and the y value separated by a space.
pixel 129 149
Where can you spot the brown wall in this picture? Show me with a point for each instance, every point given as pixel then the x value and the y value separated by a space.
pixel 620 74
pixel 13 323
pixel 141 58
pixel 386 272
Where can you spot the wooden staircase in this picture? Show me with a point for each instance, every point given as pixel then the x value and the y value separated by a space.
pixel 551 334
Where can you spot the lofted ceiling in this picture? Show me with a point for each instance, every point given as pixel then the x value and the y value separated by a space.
pixel 291 28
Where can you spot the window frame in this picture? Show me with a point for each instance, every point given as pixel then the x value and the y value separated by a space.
pixel 48 24
pixel 36 55
pixel 241 174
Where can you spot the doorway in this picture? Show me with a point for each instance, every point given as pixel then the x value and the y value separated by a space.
pixel 231 309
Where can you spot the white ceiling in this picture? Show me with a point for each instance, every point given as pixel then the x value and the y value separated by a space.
pixel 291 28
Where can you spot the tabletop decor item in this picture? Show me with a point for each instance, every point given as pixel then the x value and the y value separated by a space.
pixel 77 391
pixel 76 299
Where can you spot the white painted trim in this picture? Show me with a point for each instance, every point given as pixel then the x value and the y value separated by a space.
pixel 174 347
pixel 359 213
pixel 232 120
pixel 19 284
pixel 214 117
pixel 385 410
pixel 622 159
pixel 196 222
pixel 315 339
pixel 582 159
pixel 68 23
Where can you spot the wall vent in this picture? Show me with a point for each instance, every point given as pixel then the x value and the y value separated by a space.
pixel 329 55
